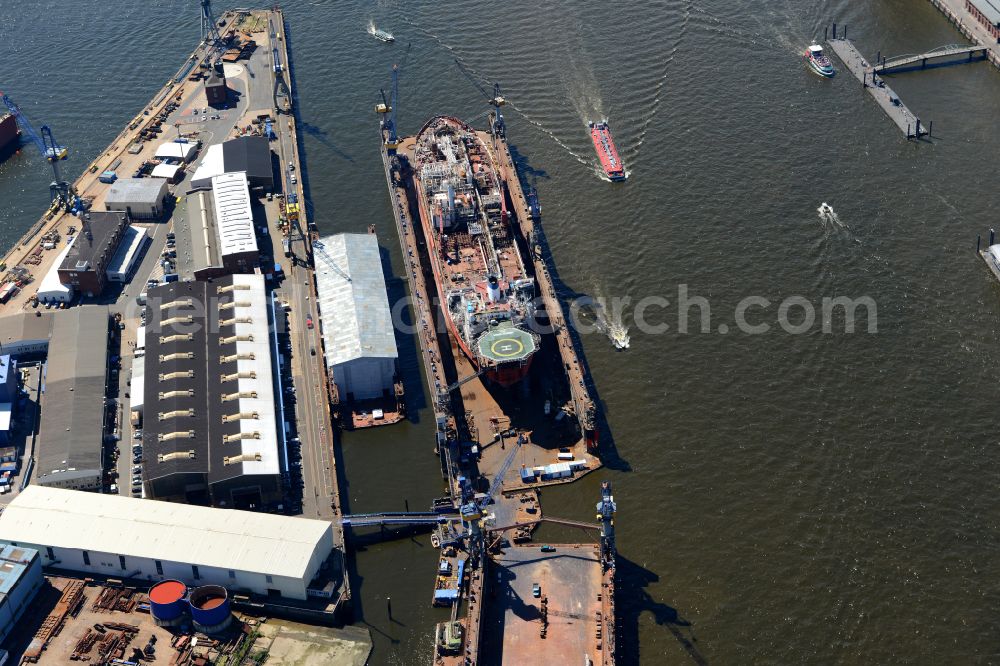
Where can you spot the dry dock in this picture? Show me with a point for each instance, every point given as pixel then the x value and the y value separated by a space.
pixel 570 621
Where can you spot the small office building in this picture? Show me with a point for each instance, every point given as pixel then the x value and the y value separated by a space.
pixel 141 198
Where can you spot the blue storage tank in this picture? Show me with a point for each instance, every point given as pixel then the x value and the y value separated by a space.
pixel 167 604
pixel 210 610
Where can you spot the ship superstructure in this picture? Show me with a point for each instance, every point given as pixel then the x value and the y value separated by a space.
pixel 485 289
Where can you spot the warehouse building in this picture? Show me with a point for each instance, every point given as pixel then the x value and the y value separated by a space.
pixel 178 150
pixel 215 86
pixel 358 337
pixel 249 154
pixel 85 266
pixel 125 537
pixel 69 450
pixel 20 580
pixel 130 250
pixel 172 173
pixel 987 12
pixel 141 198
pixel 51 289
pixel 224 240
pixel 210 432
pixel 26 334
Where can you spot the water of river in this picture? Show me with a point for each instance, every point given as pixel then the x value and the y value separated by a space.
pixel 783 498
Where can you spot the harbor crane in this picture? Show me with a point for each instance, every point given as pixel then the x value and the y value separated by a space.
pixel 497 126
pixel 209 31
pixel 387 109
pixel 50 150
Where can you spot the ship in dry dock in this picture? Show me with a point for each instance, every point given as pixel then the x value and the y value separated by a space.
pixel 487 294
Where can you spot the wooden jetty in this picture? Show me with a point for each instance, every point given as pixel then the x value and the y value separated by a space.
pixel 880 91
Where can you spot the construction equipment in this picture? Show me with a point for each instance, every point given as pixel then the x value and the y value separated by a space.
pixel 606 514
pixel 387 109
pixel 497 127
pixel 50 150
pixel 209 31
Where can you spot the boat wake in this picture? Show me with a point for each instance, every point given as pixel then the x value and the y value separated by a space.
pixel 593 311
pixel 658 87
pixel 828 216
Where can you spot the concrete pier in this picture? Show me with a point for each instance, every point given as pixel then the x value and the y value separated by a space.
pixel 880 91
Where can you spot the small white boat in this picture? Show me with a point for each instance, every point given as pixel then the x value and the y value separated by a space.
pixel 619 336
pixel 818 61
pixel 380 35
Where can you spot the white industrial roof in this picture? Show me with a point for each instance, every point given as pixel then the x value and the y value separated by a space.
pixel 253 347
pixel 167 171
pixel 177 151
pixel 129 526
pixel 50 286
pixel 137 387
pixel 233 216
pixel 128 248
pixel 212 164
pixel 352 299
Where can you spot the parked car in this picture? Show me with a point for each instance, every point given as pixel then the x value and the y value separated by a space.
pixel 536 590
pixel 309 322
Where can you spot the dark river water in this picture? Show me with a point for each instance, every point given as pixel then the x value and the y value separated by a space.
pixel 784 497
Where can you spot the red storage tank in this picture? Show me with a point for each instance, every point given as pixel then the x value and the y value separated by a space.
pixel 167 604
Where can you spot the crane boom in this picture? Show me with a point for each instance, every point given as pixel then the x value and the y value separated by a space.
pixel 320 249
pixel 47 146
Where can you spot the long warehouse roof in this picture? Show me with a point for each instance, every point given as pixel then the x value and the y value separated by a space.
pixel 233 214
pixel 353 301
pixel 129 526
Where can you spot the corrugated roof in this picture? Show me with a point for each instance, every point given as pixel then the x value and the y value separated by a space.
pixel 133 191
pixel 133 527
pixel 990 9
pixel 233 214
pixel 33 325
pixel 71 431
pixel 352 298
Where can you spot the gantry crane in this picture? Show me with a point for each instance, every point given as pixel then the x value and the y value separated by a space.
pixel 497 127
pixel 387 109
pixel 50 150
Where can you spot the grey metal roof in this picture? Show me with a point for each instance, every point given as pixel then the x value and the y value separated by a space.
pixel 129 191
pixel 251 154
pixel 34 325
pixel 71 431
pixel 352 299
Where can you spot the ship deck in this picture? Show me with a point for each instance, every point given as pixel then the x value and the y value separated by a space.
pixel 573 587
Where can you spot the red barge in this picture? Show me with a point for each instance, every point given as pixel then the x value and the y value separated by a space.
pixel 607 152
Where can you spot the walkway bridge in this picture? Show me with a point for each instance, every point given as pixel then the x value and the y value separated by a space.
pixel 939 57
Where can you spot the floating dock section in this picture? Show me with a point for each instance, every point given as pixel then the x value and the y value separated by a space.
pixel 880 91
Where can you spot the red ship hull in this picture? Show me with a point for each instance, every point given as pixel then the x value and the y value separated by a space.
pixel 607 152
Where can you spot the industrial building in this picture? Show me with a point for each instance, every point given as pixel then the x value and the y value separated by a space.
pixel 987 12
pixel 223 233
pixel 26 334
pixel 172 173
pixel 51 289
pixel 215 86
pixel 124 537
pixel 249 154
pixel 8 396
pixel 69 452
pixel 210 428
pixel 141 198
pixel 20 580
pixel 85 266
pixel 358 336
pixel 179 150
pixel 130 248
